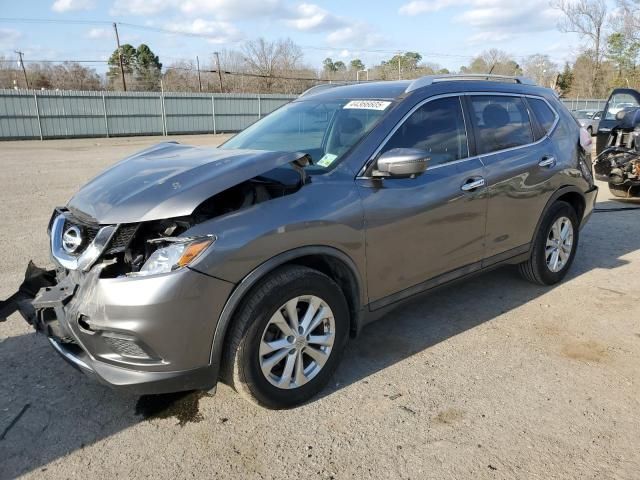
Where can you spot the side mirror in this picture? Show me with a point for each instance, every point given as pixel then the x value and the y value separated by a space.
pixel 401 163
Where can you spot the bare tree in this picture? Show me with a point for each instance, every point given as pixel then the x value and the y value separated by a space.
pixel 271 59
pixel 495 62
pixel 541 69
pixel 627 19
pixel 588 19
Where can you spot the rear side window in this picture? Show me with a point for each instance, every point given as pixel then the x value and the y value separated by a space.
pixel 438 128
pixel 503 122
pixel 546 117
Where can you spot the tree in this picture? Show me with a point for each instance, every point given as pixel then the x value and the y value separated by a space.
pixel 328 65
pixel 356 65
pixel 140 65
pixel 405 61
pixel 587 18
pixel 128 53
pixel 147 67
pixel 270 59
pixel 541 69
pixel 339 66
pixel 618 52
pixel 495 62
pixel 565 80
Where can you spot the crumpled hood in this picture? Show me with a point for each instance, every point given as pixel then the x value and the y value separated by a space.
pixel 170 180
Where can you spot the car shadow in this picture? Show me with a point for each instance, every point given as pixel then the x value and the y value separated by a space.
pixel 47 410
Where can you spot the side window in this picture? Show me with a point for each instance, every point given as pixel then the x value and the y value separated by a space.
pixel 546 117
pixel 436 127
pixel 502 121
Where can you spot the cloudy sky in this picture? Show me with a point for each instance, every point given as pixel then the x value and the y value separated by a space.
pixel 447 32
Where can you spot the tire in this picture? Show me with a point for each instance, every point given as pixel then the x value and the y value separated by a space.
pixel 590 130
pixel 624 191
pixel 537 269
pixel 261 322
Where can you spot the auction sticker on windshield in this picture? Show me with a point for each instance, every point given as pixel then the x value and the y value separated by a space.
pixel 367 105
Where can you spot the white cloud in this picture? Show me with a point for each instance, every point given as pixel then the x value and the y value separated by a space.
pixel 358 34
pixel 417 7
pixel 61 6
pixel 141 7
pixel 312 18
pixel 99 33
pixel 492 20
pixel 222 9
pixel 216 31
pixel 232 9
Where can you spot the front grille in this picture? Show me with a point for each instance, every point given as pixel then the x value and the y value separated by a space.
pixel 122 238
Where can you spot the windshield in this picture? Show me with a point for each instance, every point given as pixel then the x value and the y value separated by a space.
pixel 323 130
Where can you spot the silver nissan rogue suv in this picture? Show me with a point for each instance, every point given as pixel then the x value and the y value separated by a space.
pixel 256 261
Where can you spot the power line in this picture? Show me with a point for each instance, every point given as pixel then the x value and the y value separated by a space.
pixel 217 71
pixel 5 60
pixel 209 36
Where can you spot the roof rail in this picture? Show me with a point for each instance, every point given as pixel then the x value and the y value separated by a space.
pixel 431 79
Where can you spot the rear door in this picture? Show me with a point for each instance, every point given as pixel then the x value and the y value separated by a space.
pixel 520 161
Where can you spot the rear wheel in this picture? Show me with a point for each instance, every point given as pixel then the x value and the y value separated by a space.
pixel 590 130
pixel 287 338
pixel 554 247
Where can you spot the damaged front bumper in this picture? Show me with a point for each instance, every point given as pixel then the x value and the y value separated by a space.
pixel 139 334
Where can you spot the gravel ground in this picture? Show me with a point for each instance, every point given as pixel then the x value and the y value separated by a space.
pixel 490 378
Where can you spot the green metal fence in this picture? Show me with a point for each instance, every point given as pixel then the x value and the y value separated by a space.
pixel 29 114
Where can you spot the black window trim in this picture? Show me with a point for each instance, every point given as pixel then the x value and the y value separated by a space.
pixel 535 118
pixel 364 172
pixel 532 120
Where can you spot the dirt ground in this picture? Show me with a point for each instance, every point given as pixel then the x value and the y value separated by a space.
pixel 490 378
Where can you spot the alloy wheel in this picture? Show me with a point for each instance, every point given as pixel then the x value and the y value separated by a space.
pixel 297 342
pixel 559 244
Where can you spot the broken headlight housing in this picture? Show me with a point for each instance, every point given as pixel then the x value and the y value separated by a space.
pixel 177 253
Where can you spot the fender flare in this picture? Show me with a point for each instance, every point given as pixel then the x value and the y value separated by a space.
pixel 260 272
pixel 554 197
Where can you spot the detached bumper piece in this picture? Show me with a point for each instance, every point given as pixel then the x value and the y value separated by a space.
pixel 35 278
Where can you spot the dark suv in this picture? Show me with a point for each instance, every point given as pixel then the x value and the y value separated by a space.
pixel 256 261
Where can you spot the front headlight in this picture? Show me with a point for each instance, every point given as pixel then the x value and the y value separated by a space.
pixel 175 255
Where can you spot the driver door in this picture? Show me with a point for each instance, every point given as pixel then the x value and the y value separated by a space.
pixel 426 230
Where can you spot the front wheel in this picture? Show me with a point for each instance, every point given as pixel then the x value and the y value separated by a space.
pixel 554 247
pixel 287 338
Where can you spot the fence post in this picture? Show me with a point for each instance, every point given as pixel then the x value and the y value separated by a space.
pixel 164 114
pixel 106 119
pixel 213 113
pixel 35 99
pixel 259 108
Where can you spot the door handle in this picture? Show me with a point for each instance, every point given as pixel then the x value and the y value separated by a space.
pixel 473 184
pixel 547 162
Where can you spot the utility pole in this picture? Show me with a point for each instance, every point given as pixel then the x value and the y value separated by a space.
pixel 124 82
pixel 199 80
pixel 399 58
pixel 24 72
pixel 219 72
